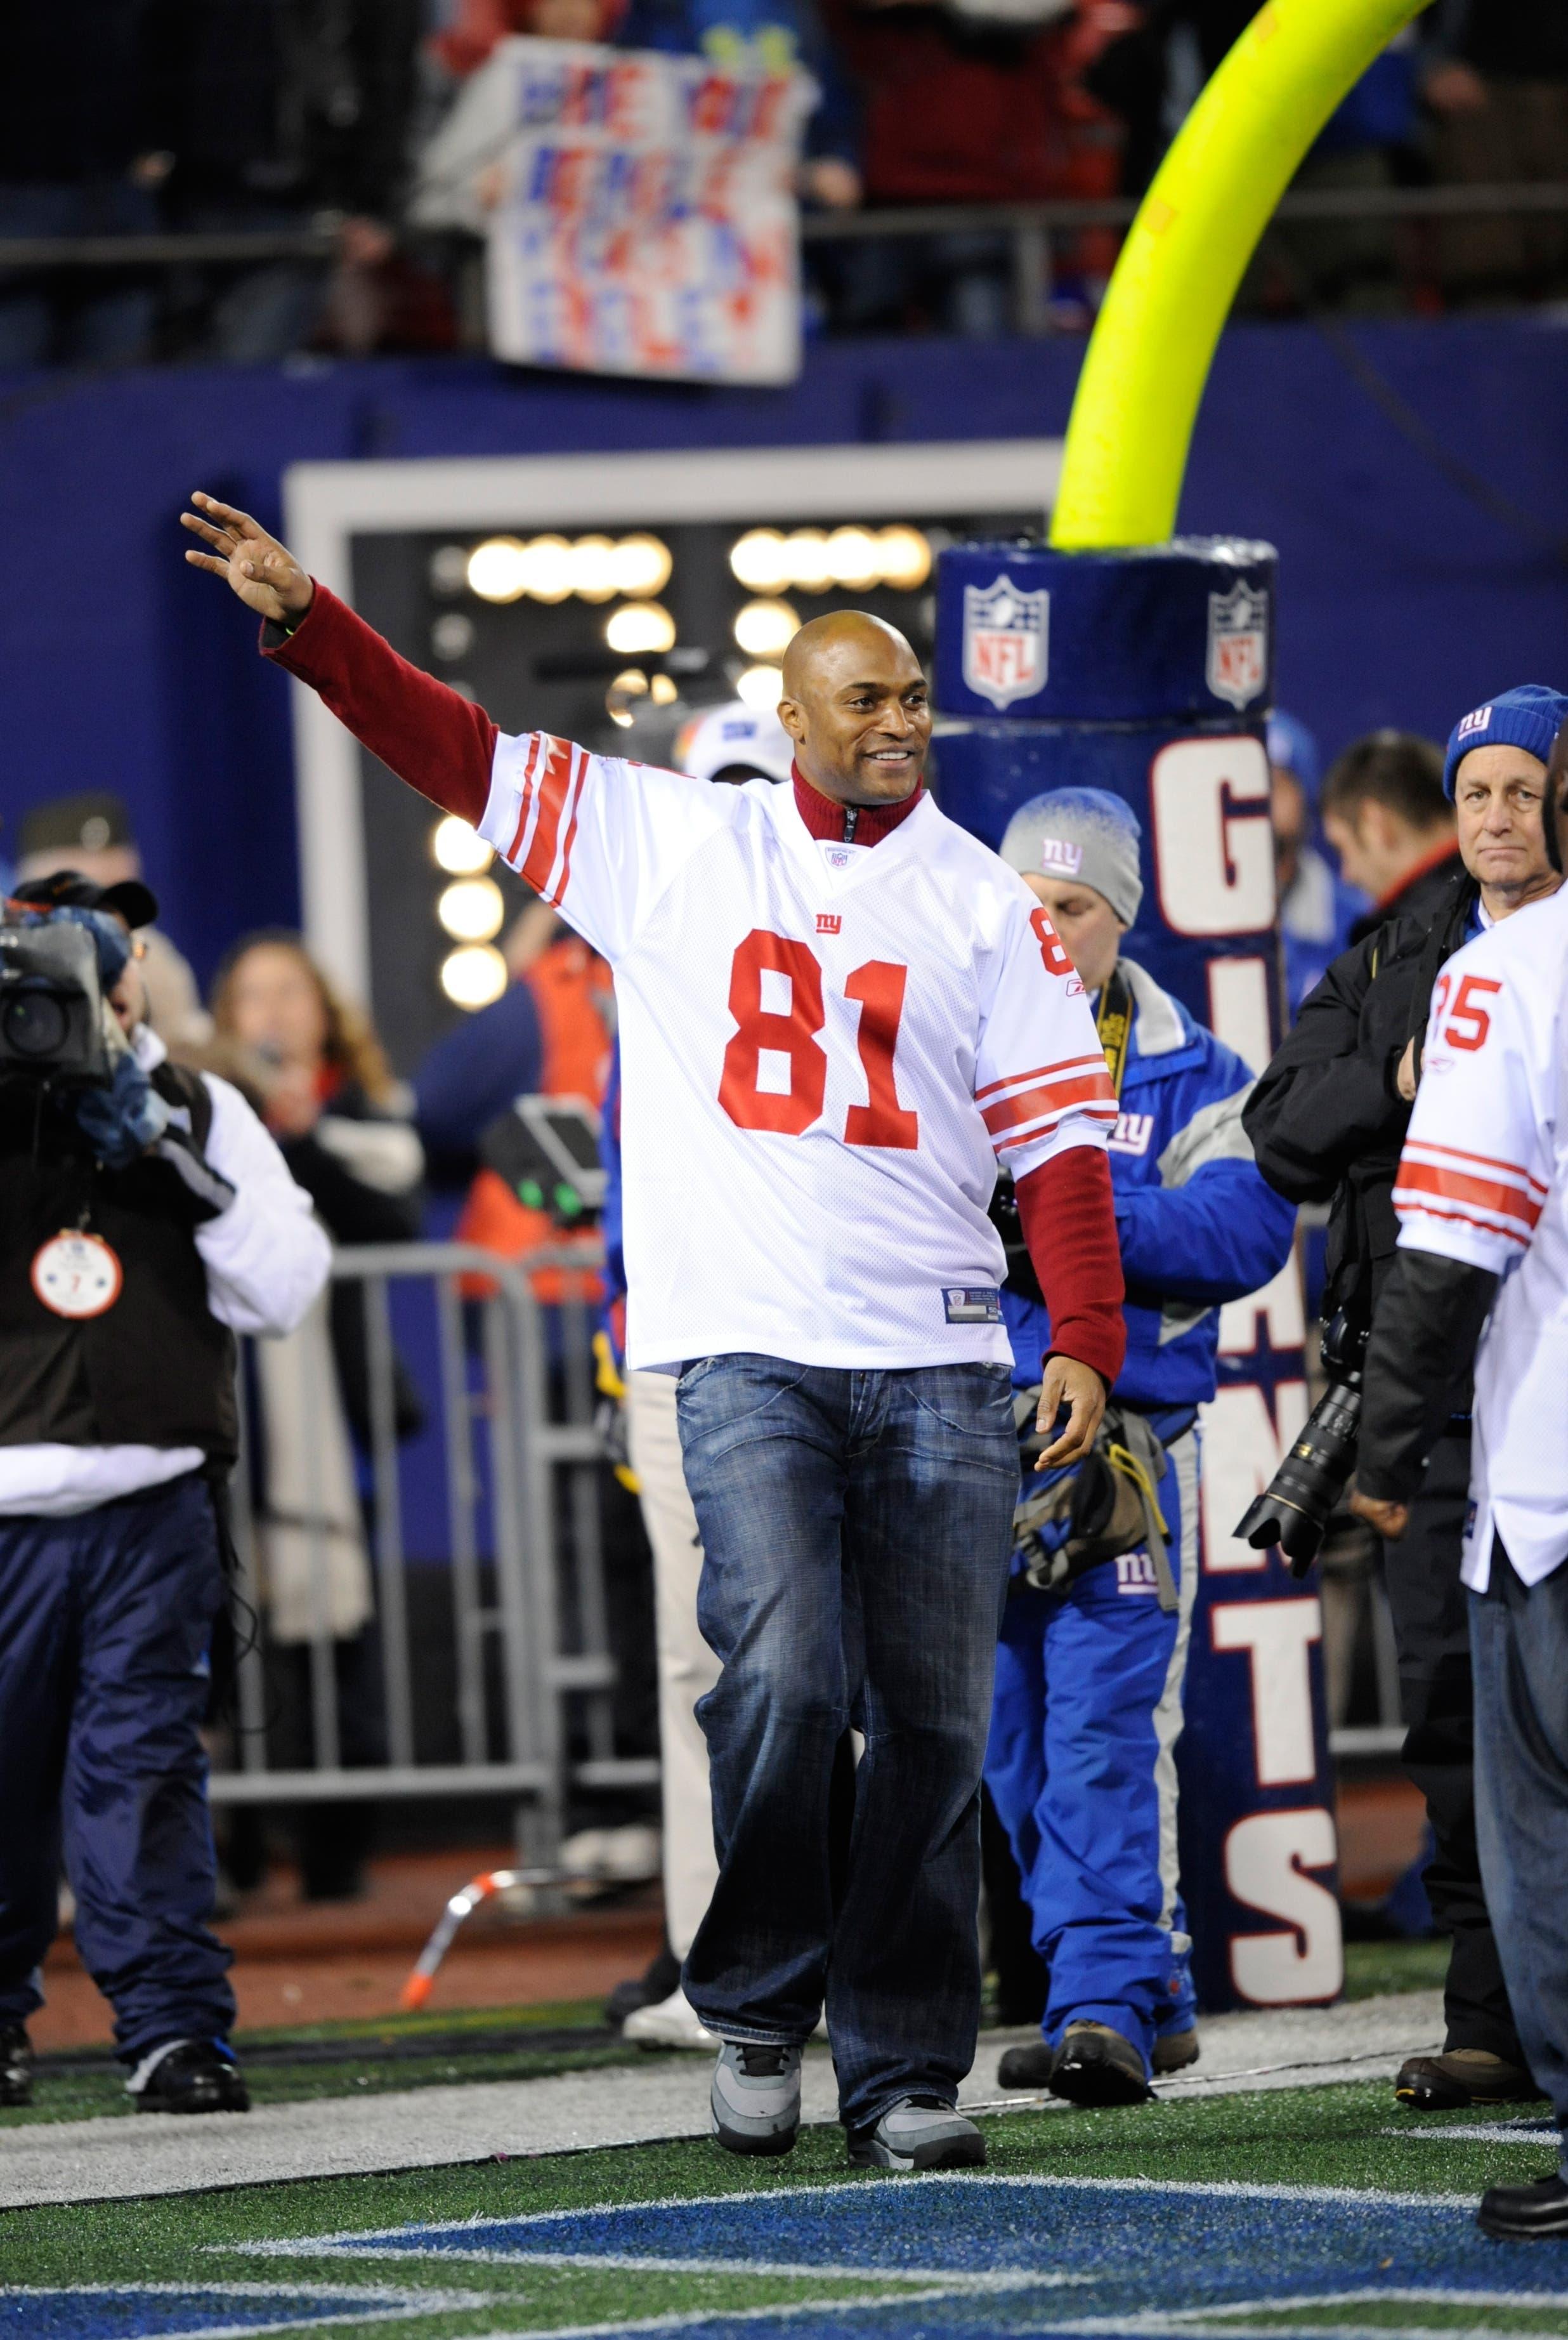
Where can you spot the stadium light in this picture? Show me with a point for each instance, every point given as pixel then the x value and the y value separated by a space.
pixel 805 550
pixel 471 909
pixel 854 558
pixel 552 568
pixel 457 847
pixel 641 627
pixel 759 562
pixel 453 635
pixel 760 686
pixel 474 975
pixel 591 566
pixel 905 556
pixel 764 629
pixel 848 558
pixel 642 566
pixel 499 569
pixel 449 569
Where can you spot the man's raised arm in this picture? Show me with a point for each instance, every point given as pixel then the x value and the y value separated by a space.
pixel 596 838
pixel 430 736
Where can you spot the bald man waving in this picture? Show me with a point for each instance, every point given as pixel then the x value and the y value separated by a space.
pixel 838 1013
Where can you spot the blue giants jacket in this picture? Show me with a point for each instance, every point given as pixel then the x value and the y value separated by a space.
pixel 1197 1223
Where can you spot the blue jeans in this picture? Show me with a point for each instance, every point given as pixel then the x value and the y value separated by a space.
pixel 856 1528
pixel 1519 1651
pixel 105 1624
pixel 1081 1770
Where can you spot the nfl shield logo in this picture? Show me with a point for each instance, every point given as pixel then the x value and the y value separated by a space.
pixel 1004 641
pixel 1237 644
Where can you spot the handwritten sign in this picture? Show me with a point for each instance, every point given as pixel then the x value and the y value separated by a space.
pixel 647 222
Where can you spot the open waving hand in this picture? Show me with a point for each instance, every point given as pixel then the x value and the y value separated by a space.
pixel 261 572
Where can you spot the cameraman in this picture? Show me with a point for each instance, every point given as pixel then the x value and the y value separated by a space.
pixel 1327 1120
pixel 145 1220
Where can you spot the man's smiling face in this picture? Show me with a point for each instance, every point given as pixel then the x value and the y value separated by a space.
pixel 857 708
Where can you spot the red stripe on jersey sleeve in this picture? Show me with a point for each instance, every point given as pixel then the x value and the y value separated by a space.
pixel 582 782
pixel 1421 1208
pixel 1068 1217
pixel 1053 1097
pixel 1424 1146
pixel 438 742
pixel 1040 1073
pixel 1419 1179
pixel 545 794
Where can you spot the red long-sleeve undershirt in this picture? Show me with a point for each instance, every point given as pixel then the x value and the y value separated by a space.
pixel 444 746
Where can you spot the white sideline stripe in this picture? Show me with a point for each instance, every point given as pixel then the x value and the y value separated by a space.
pixel 373 2303
pixel 686 2319
pixel 1534 2134
pixel 1214 2321
pixel 645 2263
pixel 346 2242
pixel 1140 2327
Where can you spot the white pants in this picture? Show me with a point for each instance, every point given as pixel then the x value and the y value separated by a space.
pixel 687 1666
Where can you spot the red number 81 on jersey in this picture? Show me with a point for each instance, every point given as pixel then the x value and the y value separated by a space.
pixel 775 1069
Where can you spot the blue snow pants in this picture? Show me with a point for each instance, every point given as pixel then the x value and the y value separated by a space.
pixel 106 1619
pixel 1081 1768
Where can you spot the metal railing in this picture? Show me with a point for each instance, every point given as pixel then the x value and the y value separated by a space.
pixel 1033 230
pixel 508 1390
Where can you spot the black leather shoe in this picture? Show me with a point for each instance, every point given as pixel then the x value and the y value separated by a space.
pixel 1459 2078
pixel 15 2065
pixel 1027 2068
pixel 189 2076
pixel 1518 2214
pixel 1095 2065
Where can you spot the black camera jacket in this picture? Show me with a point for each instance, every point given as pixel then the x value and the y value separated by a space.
pixel 1325 1119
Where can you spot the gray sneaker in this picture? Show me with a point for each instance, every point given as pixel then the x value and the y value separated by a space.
pixel 918 2132
pixel 755 2097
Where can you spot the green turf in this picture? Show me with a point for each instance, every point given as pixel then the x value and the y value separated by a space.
pixel 90 2085
pixel 1344 2136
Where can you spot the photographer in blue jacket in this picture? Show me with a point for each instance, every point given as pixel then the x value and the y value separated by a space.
pixel 1089 1688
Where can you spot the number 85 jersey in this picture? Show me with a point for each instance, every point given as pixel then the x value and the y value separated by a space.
pixel 827 1049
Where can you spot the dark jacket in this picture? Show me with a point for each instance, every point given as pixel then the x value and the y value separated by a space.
pixel 1423 896
pixel 157 1367
pixel 1325 1120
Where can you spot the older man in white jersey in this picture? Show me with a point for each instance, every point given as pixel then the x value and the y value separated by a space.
pixel 1483 1200
pixel 837 1011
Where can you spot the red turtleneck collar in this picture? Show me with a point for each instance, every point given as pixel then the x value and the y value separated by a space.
pixel 838 824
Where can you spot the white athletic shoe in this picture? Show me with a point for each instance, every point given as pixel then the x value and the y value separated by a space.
pixel 671 2023
pixel 918 2132
pixel 755 2097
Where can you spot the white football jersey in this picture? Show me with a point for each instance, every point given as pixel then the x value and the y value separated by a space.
pixel 1483 1178
pixel 825 1051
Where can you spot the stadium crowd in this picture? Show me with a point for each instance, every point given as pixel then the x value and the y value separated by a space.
pixel 301 119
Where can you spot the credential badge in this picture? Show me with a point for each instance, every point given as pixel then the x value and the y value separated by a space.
pixel 1237 644
pixel 1006 635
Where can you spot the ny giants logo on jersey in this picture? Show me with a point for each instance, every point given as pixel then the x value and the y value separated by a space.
pixel 1237 644
pixel 1134 1573
pixel 828 922
pixel 1006 634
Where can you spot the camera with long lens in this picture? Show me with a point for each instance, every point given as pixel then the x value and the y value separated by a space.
pixel 1294 1508
pixel 52 1010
